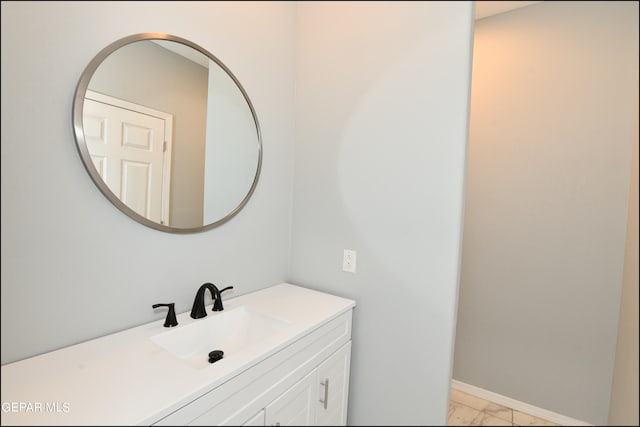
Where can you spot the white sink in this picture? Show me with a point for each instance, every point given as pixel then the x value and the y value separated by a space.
pixel 231 331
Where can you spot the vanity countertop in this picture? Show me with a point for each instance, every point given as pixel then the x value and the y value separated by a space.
pixel 125 378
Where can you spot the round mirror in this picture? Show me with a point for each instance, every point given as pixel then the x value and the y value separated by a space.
pixel 167 133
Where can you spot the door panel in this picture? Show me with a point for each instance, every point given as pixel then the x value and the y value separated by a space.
pixel 127 148
pixel 296 406
pixel 135 184
pixel 333 386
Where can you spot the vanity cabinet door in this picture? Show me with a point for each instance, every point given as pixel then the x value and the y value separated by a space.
pixel 333 388
pixel 296 406
pixel 256 420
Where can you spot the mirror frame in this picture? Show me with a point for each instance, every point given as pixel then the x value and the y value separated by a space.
pixel 78 127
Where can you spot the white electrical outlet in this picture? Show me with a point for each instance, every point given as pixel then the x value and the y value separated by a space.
pixel 349 261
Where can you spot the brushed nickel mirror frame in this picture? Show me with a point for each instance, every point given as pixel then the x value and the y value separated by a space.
pixel 78 127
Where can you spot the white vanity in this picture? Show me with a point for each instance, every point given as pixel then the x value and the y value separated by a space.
pixel 286 362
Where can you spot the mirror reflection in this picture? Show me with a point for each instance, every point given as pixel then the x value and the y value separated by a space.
pixel 168 133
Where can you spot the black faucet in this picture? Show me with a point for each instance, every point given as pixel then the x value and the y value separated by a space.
pixel 198 309
pixel 171 315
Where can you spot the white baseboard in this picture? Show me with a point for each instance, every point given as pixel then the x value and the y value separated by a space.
pixel 517 405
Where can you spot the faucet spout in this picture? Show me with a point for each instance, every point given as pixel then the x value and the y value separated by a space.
pixel 198 311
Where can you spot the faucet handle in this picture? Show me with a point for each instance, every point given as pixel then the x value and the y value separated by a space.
pixel 217 304
pixel 171 315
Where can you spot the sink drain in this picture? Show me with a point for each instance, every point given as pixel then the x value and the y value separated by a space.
pixel 215 355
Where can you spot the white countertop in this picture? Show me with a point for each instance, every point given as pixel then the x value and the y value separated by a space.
pixel 126 379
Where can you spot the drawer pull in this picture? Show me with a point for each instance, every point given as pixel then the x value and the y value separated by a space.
pixel 325 402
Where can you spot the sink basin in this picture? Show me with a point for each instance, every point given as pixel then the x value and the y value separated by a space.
pixel 231 331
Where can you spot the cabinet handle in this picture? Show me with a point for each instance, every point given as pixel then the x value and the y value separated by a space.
pixel 325 402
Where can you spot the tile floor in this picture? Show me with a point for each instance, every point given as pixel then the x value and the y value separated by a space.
pixel 468 410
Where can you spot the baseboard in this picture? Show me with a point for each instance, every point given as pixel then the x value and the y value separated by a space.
pixel 517 405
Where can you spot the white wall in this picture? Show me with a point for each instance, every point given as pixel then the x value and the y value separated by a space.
pixel 73 266
pixel 551 130
pixel 381 126
pixel 623 409
pixel 484 9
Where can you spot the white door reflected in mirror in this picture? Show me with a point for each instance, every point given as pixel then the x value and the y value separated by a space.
pixel 130 146
pixel 212 162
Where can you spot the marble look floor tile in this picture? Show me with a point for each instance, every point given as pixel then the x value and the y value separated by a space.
pixel 485 419
pixel 461 415
pixel 522 419
pixel 492 409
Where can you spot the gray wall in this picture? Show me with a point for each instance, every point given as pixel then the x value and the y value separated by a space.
pixel 381 126
pixel 381 118
pixel 623 409
pixel 73 266
pixel 231 154
pixel 551 131
pixel 134 73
